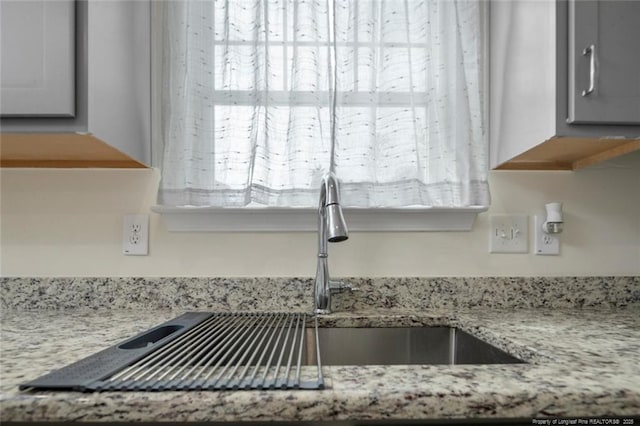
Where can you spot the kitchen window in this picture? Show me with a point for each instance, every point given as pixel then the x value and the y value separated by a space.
pixel 258 99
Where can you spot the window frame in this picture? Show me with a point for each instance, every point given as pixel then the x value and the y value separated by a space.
pixel 295 219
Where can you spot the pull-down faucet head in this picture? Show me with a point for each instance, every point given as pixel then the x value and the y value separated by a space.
pixel 335 223
pixel 336 226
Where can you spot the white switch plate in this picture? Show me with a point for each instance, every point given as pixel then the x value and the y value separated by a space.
pixel 544 244
pixel 509 234
pixel 135 235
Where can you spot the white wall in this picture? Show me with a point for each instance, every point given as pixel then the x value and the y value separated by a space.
pixel 68 223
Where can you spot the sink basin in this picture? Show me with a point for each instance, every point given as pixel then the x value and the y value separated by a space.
pixel 402 346
pixel 221 351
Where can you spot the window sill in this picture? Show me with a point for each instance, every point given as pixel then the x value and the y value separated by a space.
pixel 215 219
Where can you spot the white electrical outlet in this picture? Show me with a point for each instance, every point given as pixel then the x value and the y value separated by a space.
pixel 509 234
pixel 135 235
pixel 545 244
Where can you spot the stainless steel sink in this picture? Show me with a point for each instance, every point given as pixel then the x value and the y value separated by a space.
pixel 402 346
pixel 221 351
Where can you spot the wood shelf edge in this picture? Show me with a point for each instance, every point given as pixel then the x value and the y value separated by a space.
pixel 607 155
pixel 61 150
pixel 565 153
pixel 81 164
pixel 534 165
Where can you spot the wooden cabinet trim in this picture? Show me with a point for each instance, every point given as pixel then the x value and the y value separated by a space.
pixel 560 153
pixel 61 150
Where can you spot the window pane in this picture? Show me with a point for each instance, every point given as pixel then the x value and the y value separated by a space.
pixel 275 21
pixel 311 21
pixel 392 18
pixel 310 68
pixel 242 20
pixel 366 69
pixel 347 68
pixel 394 76
pixel 230 60
pixel 275 61
pixel 367 11
pixel 294 147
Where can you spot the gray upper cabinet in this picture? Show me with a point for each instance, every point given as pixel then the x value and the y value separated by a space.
pixel 38 58
pixel 564 88
pixel 604 62
pixel 100 48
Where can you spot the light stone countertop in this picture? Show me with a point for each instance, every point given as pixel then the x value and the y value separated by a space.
pixel 582 362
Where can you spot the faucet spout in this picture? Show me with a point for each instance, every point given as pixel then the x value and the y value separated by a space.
pixel 331 228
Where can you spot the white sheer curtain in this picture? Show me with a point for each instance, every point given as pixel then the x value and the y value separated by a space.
pixel 260 98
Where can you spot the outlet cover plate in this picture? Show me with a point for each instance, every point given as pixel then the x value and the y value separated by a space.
pixel 544 244
pixel 509 233
pixel 135 235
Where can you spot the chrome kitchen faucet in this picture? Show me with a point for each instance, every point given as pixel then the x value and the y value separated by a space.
pixel 331 228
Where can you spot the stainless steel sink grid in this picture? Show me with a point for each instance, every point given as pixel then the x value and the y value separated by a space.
pixel 202 351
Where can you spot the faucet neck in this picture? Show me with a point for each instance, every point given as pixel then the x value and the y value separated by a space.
pixel 322 218
pixel 322 232
pixel 322 290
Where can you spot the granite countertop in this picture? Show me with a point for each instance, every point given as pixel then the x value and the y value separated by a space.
pixel 582 362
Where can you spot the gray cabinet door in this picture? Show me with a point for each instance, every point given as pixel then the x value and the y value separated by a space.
pixel 604 62
pixel 38 58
